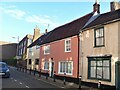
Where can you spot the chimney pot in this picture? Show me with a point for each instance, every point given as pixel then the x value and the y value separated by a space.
pixel 114 5
pixel 46 30
pixel 96 7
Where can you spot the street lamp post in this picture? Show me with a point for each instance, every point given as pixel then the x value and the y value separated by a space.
pixel 17 43
pixel 17 47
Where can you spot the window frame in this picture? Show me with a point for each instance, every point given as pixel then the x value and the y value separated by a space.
pixel 67 45
pixel 30 50
pixel 59 68
pixel 36 62
pixel 45 50
pixel 37 46
pixel 45 66
pixel 30 61
pixel 95 38
pixel 30 40
pixel 96 59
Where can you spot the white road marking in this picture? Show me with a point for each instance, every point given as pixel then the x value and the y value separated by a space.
pixel 20 83
pixel 27 86
pixel 15 80
pixel 50 83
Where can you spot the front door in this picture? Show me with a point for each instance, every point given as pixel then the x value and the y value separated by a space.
pixel 52 69
pixel 117 72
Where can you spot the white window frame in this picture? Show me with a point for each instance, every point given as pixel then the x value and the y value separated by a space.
pixel 30 50
pixel 65 67
pixel 45 66
pixel 21 51
pixel 67 45
pixel 37 46
pixel 45 49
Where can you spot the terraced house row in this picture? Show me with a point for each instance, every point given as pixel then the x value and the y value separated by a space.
pixel 88 47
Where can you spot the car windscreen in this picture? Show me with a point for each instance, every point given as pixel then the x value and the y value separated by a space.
pixel 2 65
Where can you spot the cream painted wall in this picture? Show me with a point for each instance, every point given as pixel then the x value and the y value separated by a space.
pixel 111 47
pixel 33 55
pixel 119 40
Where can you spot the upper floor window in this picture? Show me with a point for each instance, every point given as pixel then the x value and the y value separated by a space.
pixel 37 46
pixel 47 49
pixel 68 45
pixel 21 51
pixel 30 41
pixel 24 43
pixel 99 37
pixel 30 49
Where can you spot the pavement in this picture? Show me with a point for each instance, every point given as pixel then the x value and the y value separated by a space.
pixel 58 83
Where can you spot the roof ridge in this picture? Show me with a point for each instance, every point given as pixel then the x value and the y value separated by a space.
pixel 72 21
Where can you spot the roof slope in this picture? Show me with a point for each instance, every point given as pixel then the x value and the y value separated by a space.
pixel 105 18
pixel 64 31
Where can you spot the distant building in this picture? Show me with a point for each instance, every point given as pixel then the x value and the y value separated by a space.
pixel 33 52
pixel 7 50
pixel 23 50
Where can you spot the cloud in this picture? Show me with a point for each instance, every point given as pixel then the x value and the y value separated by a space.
pixel 12 11
pixel 11 7
pixel 42 20
pixel 18 14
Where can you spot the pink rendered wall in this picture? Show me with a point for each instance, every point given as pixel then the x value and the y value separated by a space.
pixel 57 52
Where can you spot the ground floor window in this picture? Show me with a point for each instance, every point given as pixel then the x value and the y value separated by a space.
pixel 30 62
pixel 99 68
pixel 65 67
pixel 36 61
pixel 46 65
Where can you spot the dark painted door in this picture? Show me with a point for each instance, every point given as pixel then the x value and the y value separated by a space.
pixel 52 69
pixel 117 75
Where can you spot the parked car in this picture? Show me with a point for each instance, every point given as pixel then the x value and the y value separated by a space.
pixel 4 70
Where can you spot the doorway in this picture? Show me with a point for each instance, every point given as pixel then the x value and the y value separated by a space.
pixel 117 75
pixel 52 69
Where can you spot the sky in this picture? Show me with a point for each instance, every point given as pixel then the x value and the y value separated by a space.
pixel 18 19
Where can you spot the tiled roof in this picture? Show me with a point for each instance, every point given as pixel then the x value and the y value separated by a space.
pixel 39 40
pixel 64 31
pixel 105 18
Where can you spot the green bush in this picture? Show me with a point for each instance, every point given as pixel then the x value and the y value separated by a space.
pixel 11 62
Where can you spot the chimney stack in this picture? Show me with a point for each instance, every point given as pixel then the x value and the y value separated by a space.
pixel 36 33
pixel 96 7
pixel 46 31
pixel 114 5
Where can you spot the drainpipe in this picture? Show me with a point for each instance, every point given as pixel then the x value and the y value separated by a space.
pixel 80 55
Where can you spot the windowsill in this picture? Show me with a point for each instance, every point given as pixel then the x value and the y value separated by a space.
pixel 46 69
pixel 66 73
pixel 99 46
pixel 67 51
pixel 100 79
pixel 46 53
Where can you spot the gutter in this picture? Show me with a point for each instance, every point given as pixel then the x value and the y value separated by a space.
pixel 101 24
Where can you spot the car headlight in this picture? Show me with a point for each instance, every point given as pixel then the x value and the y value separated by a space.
pixel 7 70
